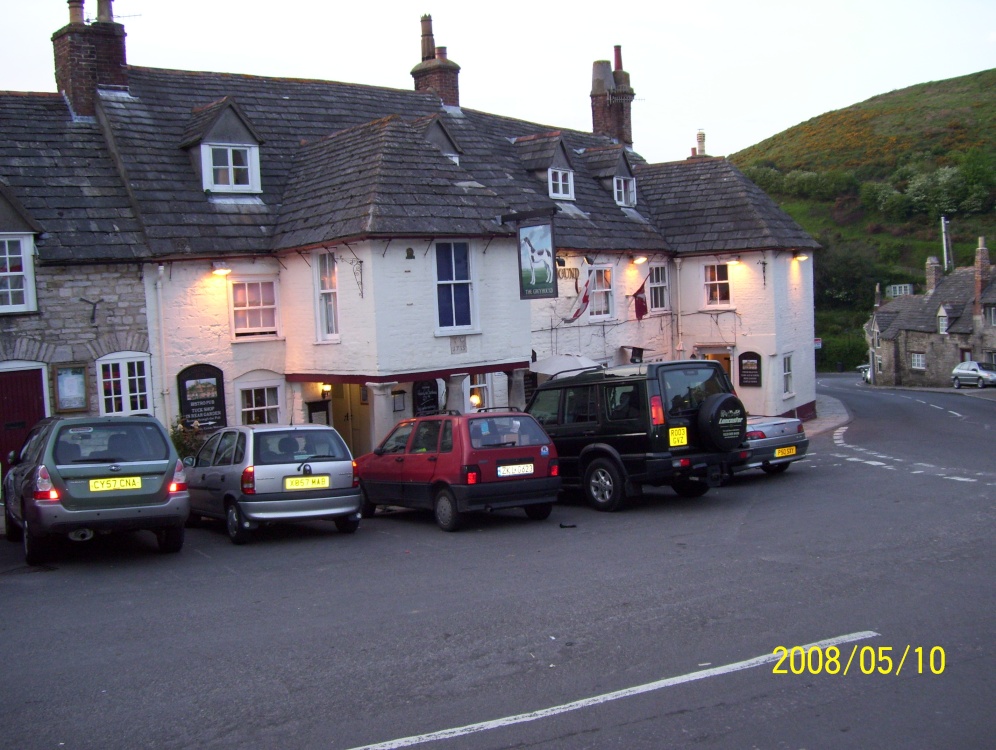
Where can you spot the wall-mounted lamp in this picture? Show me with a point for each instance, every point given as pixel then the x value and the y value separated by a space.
pixel 220 268
pixel 734 261
pixel 561 262
pixel 799 255
pixel 326 389
pixel 475 400
pixel 409 253
pixel 638 259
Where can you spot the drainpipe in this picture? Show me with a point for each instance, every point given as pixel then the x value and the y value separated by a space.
pixel 677 268
pixel 164 387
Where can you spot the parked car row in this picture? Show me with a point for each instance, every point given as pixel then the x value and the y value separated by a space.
pixel 608 432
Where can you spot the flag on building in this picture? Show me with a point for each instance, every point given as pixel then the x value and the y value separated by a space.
pixel 582 300
pixel 640 300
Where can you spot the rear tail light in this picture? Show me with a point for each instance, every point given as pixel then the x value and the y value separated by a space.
pixel 681 463
pixel 249 480
pixel 656 411
pixel 553 469
pixel 44 490
pixel 471 474
pixel 356 476
pixel 801 429
pixel 179 483
pixel 755 435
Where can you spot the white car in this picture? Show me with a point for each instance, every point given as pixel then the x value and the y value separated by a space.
pixel 979 374
pixel 865 371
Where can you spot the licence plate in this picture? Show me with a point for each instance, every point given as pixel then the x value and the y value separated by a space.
pixel 115 483
pixel 306 483
pixel 515 470
pixel 677 436
pixel 782 452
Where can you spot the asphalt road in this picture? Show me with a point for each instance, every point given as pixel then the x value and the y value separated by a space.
pixel 650 628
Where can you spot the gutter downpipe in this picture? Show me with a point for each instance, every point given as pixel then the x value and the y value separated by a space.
pixel 164 389
pixel 681 344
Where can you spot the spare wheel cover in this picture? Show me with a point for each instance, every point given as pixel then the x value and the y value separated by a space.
pixel 722 421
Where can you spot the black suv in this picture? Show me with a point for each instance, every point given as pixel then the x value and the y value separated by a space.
pixel 663 423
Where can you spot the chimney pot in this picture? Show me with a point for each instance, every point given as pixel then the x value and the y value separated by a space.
pixel 428 43
pixel 104 12
pixel 618 49
pixel 440 53
pixel 75 11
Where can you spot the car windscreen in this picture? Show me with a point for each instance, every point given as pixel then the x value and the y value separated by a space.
pixel 504 431
pixel 987 366
pixel 685 388
pixel 109 442
pixel 290 446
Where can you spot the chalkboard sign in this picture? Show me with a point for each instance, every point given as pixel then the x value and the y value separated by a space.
pixel 201 389
pixel 750 369
pixel 426 395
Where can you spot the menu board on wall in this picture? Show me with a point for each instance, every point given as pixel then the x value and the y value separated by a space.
pixel 426 395
pixel 749 367
pixel 201 389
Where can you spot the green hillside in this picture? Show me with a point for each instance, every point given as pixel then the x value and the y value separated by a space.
pixel 871 182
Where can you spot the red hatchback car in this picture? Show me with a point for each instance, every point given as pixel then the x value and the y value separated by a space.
pixel 454 463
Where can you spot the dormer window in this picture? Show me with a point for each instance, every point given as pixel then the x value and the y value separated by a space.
pixel 942 322
pixel 561 182
pixel 625 191
pixel 230 168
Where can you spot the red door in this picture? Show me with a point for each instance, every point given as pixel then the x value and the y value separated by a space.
pixel 22 403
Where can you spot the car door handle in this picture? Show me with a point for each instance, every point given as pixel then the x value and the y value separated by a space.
pixel 433 458
pixel 399 459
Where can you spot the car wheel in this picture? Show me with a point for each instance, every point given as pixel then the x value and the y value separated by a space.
pixel 689 487
pixel 10 528
pixel 235 524
pixel 603 485
pixel 980 383
pixel 445 510
pixel 956 383
pixel 538 512
pixel 347 525
pixel 36 548
pixel 367 508
pixel 722 421
pixel 170 540
pixel 775 468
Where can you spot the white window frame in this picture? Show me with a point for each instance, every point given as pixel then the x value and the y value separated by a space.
pixel 327 297
pixel 560 183
pixel 657 288
pixel 249 332
pixel 787 385
pixel 990 314
pixel 989 356
pixel 131 373
pixel 208 168
pixel 451 284
pixel 876 339
pixel 713 281
pixel 601 296
pixel 480 384
pixel 918 361
pixel 942 323
pixel 26 276
pixel 273 397
pixel 624 190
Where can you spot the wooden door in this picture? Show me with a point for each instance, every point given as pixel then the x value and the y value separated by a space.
pixel 22 403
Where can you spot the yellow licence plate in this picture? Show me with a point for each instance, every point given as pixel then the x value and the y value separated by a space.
pixel 677 436
pixel 115 483
pixel 782 452
pixel 306 483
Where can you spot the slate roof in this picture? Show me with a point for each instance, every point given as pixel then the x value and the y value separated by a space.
pixel 708 205
pixel 918 312
pixel 65 181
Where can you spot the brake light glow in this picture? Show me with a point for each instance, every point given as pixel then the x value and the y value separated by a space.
pixel 179 483
pixel 44 490
pixel 249 480
pixel 656 411
pixel 356 476
pixel 554 468
pixel 681 463
pixel 471 474
pixel 755 435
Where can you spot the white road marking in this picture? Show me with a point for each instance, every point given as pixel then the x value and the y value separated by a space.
pixel 543 713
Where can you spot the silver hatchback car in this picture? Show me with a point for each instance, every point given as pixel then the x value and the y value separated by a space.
pixel 979 374
pixel 258 474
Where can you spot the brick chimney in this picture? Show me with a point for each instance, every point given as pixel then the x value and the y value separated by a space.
pixel 88 56
pixel 611 100
pixel 983 274
pixel 436 73
pixel 934 273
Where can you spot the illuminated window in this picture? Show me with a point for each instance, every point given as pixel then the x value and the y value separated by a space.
pixel 260 405
pixel 254 308
pixel 717 284
pixel 601 306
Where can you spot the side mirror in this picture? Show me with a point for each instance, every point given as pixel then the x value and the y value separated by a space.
pixel 11 458
pixel 189 462
pixel 378 451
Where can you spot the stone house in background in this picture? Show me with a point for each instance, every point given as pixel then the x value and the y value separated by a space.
pixel 234 249
pixel 917 339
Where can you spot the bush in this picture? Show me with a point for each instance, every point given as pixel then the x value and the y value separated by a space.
pixel 848 350
pixel 187 440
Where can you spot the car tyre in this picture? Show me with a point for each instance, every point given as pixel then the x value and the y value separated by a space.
pixel 539 511
pixel 235 524
pixel 775 468
pixel 980 382
pixel 347 525
pixel 170 540
pixel 444 508
pixel 37 549
pixel 603 485
pixel 689 488
pixel 11 530
pixel 367 508
pixel 956 383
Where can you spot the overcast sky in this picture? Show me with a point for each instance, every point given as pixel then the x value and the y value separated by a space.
pixel 742 70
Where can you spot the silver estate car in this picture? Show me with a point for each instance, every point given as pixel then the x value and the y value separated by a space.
pixel 257 474
pixel 979 374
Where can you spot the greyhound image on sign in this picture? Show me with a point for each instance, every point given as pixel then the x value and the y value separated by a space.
pixel 537 266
